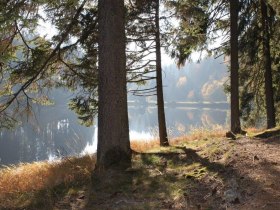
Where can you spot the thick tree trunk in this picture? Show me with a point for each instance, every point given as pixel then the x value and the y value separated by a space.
pixel 160 101
pixel 234 66
pixel 113 131
pixel 270 109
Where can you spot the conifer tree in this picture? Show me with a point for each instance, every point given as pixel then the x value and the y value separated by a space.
pixel 234 67
pixel 113 133
pixel 269 96
pixel 148 35
pixel 258 72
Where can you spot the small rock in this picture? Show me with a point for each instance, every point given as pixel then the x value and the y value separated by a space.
pixel 231 196
pixel 256 157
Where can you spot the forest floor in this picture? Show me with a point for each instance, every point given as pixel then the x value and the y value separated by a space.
pixel 202 174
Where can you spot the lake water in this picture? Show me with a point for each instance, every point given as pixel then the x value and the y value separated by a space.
pixel 56 132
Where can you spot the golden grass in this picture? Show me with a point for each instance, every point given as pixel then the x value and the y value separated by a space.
pixel 31 177
pixel 143 146
pixel 199 133
pixel 23 181
pixel 253 130
pixel 39 175
pixel 195 133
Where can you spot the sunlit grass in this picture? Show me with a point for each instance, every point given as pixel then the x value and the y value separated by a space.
pixel 143 145
pixel 255 130
pixel 33 185
pixel 251 131
pixel 199 133
pixel 32 177
pixel 195 133
pixel 20 184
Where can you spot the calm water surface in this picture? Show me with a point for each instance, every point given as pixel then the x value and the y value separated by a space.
pixel 56 132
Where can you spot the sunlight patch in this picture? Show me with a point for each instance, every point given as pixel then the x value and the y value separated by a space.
pixel 91 147
pixel 134 135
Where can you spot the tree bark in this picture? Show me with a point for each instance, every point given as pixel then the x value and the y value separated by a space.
pixel 270 109
pixel 113 132
pixel 160 100
pixel 234 67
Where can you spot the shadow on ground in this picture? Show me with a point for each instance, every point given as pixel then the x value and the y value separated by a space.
pixel 184 178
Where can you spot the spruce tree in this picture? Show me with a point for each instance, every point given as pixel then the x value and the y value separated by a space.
pixel 113 132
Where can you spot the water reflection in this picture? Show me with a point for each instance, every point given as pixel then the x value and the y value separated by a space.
pixel 53 139
pixel 53 135
pixel 179 120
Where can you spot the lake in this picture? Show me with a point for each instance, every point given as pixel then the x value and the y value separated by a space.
pixel 56 132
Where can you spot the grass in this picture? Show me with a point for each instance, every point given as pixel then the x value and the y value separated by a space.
pixel 20 184
pixel 160 178
pixel 161 172
pixel 266 133
pixel 142 146
pixel 195 133
pixel 201 133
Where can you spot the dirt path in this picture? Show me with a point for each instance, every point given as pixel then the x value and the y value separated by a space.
pixel 258 164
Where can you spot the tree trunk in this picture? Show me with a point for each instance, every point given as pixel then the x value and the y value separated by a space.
pixel 160 101
pixel 234 66
pixel 270 109
pixel 113 131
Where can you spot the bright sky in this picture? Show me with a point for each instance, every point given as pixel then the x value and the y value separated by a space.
pixel 45 28
pixel 48 30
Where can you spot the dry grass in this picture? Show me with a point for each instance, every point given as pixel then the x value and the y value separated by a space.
pixel 200 133
pixel 33 177
pixel 39 175
pixel 20 184
pixel 253 130
pixel 195 133
pixel 143 146
pixel 41 184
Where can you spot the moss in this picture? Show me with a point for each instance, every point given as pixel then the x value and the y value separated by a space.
pixel 170 149
pixel 151 159
pixel 217 149
pixel 195 171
